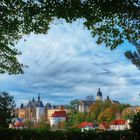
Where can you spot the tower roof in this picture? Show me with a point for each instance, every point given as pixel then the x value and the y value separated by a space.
pixel 38 97
pixel 33 103
pixel 33 100
pixel 99 93
pixel 107 98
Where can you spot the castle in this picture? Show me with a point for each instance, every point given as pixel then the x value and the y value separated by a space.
pixel 34 110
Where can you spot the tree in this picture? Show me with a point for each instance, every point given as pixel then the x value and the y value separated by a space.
pixel 107 115
pixel 7 109
pixel 124 106
pixel 79 117
pixel 111 21
pixel 43 125
pixel 128 114
pixel 90 117
pixel 107 103
pixel 95 109
pixel 75 119
pixel 134 56
pixel 135 124
pixel 74 104
pixel 29 123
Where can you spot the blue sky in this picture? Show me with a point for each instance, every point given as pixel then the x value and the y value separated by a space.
pixel 67 64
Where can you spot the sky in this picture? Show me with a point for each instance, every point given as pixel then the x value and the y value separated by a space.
pixel 66 64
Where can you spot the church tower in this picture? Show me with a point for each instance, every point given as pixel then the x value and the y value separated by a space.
pixel 99 95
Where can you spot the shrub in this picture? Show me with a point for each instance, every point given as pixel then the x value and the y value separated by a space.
pixel 44 134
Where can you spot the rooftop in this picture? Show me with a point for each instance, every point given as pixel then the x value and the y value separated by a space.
pixel 59 114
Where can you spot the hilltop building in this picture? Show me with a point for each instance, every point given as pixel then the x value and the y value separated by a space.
pixel 84 104
pixel 112 101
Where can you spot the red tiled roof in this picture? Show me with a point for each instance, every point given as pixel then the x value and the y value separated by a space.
pixel 85 124
pixel 105 125
pixel 59 114
pixel 19 124
pixel 118 122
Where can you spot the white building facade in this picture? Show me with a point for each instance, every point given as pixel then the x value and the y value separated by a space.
pixel 119 125
pixel 40 113
pixel 57 117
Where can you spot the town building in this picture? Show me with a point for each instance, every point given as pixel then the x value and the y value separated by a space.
pixel 132 109
pixel 119 125
pixel 56 108
pixel 103 126
pixel 84 105
pixel 58 117
pixel 87 126
pixel 18 123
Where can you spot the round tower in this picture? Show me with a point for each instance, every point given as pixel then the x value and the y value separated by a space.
pixel 99 95
pixel 40 110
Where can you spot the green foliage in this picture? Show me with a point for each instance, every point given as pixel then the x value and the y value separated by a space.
pixel 128 114
pixel 135 123
pixel 98 112
pixel 29 124
pixel 7 108
pixel 74 134
pixel 110 21
pixel 124 106
pixel 76 118
pixel 135 55
pixel 95 109
pixel 74 104
pixel 42 125
pixel 106 116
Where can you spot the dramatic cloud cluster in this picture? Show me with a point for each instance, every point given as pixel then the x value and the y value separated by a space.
pixel 67 64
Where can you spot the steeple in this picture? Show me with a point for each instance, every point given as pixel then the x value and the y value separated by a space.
pixel 108 98
pixel 21 106
pixel 38 97
pixel 99 93
pixel 33 100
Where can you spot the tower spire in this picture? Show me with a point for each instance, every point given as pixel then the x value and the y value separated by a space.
pixel 33 100
pixel 38 97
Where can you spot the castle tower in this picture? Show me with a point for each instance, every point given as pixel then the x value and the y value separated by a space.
pixel 40 110
pixel 38 97
pixel 99 95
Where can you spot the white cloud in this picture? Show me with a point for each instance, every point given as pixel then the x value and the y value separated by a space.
pixel 66 64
